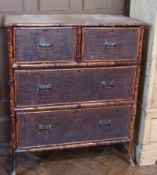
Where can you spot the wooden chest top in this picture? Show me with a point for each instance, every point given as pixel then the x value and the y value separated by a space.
pixel 70 20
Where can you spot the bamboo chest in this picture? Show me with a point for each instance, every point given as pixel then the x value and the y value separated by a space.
pixel 74 81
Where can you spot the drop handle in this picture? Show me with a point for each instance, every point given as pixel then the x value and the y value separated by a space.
pixel 42 127
pixel 44 87
pixel 110 45
pixel 108 84
pixel 45 45
pixel 105 123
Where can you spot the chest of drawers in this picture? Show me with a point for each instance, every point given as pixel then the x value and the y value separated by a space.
pixel 73 81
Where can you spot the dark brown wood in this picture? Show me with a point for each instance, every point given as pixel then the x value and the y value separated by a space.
pixel 45 44
pixel 79 105
pixel 110 44
pixel 131 146
pixel 12 87
pixel 72 145
pixel 73 64
pixel 40 87
pixel 79 45
pixel 84 93
pixel 72 126
pixel 13 135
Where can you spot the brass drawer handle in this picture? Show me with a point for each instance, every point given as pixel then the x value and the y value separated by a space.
pixel 44 127
pixel 45 45
pixel 110 45
pixel 108 84
pixel 105 123
pixel 43 87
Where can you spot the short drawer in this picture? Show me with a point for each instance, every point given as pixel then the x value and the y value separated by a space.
pixel 72 126
pixel 45 44
pixel 42 87
pixel 110 44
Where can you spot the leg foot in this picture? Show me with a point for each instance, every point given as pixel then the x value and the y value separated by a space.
pixel 131 154
pixel 13 173
pixel 132 163
pixel 12 166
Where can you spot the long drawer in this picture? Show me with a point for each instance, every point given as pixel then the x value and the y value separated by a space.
pixel 72 126
pixel 60 86
pixel 45 44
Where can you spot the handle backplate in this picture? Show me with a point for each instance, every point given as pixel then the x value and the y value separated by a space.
pixel 110 45
pixel 105 123
pixel 44 87
pixel 42 127
pixel 45 45
pixel 108 84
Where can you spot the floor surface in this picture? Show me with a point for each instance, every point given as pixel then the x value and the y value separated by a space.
pixel 88 161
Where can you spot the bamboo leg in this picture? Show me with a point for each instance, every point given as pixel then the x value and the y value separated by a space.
pixel 13 160
pixel 131 155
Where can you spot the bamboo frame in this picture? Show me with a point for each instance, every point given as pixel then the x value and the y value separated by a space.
pixel 76 64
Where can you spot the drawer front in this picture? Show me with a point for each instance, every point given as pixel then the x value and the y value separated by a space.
pixel 45 44
pixel 68 126
pixel 40 87
pixel 110 44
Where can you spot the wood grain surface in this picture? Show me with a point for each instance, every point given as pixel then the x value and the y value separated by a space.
pixel 69 20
